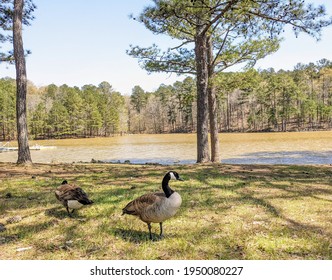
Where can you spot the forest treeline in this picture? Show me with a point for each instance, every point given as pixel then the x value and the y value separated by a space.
pixel 249 101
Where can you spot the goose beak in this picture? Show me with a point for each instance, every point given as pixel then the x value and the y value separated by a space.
pixel 180 179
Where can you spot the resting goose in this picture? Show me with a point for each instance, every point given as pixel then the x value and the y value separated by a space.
pixel 156 207
pixel 71 196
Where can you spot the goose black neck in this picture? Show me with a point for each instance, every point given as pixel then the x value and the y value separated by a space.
pixel 167 190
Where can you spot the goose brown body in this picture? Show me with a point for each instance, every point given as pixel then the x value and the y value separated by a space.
pixel 71 196
pixel 156 207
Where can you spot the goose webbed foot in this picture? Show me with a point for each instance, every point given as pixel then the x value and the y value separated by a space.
pixel 161 235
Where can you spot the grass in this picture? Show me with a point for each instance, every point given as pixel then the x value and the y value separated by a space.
pixel 228 212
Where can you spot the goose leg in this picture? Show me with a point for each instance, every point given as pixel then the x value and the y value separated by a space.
pixel 149 226
pixel 161 230
pixel 68 211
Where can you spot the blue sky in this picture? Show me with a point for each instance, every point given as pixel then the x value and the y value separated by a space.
pixel 77 42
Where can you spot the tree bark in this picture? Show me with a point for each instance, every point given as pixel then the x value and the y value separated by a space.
pixel 203 154
pixel 24 156
pixel 213 114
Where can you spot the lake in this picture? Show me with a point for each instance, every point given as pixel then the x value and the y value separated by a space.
pixel 236 148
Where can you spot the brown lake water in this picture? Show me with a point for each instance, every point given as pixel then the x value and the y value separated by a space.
pixel 236 148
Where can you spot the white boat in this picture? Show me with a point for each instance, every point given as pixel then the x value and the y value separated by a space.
pixel 40 147
pixel 5 147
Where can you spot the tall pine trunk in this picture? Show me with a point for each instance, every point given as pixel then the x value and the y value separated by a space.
pixel 203 154
pixel 213 114
pixel 24 156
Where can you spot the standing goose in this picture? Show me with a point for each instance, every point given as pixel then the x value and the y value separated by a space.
pixel 71 196
pixel 156 207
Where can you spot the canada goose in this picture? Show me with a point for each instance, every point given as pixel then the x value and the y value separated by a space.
pixel 71 196
pixel 156 207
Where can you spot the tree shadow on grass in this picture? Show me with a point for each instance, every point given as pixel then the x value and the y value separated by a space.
pixel 60 213
pixel 135 236
pixel 57 212
pixel 23 231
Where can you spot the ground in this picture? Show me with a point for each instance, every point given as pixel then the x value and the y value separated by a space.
pixel 228 212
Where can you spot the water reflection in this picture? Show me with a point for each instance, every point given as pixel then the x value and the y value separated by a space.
pixel 236 148
pixel 294 157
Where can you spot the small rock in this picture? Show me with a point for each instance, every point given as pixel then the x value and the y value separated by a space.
pixel 14 219
pixel 2 227
pixel 7 238
pixel 9 195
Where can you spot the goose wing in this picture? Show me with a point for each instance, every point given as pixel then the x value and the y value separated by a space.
pixel 140 204
pixel 72 192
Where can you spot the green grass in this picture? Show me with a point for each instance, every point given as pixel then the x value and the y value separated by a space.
pixel 228 212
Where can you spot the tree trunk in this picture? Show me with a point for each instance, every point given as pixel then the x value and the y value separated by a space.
pixel 215 152
pixel 228 118
pixel 24 156
pixel 203 154
pixel 214 136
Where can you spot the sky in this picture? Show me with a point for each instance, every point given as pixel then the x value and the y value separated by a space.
pixel 77 42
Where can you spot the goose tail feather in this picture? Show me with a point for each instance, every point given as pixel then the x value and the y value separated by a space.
pixel 85 201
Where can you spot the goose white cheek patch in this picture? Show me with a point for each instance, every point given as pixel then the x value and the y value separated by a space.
pixel 172 175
